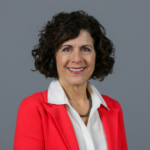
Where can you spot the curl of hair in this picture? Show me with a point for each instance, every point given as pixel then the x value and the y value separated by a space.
pixel 65 26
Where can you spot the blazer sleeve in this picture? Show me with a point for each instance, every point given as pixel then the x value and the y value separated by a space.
pixel 117 122
pixel 28 133
pixel 122 134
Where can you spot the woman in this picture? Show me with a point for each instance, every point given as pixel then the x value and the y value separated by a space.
pixel 71 114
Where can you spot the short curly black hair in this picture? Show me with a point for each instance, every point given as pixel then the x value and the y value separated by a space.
pixel 65 26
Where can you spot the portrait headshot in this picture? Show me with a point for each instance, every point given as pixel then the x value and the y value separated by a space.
pixel 71 114
pixel 76 76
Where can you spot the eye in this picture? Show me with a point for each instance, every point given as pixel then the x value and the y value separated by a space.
pixel 86 49
pixel 66 49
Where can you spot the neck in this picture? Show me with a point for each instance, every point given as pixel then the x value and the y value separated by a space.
pixel 75 93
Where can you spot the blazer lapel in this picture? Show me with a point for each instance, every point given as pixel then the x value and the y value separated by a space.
pixel 110 124
pixel 62 120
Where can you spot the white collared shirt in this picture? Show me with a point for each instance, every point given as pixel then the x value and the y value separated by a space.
pixel 92 136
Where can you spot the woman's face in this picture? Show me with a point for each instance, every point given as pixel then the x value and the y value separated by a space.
pixel 76 59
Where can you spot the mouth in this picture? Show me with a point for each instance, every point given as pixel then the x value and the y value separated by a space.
pixel 76 70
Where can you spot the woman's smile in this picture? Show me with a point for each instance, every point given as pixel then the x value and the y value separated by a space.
pixel 76 71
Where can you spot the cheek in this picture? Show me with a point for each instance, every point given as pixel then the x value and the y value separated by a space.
pixel 61 61
pixel 91 60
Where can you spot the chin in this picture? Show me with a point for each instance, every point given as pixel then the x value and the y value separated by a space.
pixel 77 82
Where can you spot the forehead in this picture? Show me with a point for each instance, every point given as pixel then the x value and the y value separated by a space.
pixel 84 37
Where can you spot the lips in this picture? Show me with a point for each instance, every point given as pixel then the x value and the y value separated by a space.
pixel 76 71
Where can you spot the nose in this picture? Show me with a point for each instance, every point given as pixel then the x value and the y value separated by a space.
pixel 76 57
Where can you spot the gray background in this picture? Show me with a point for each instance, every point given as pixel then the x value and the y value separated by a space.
pixel 127 24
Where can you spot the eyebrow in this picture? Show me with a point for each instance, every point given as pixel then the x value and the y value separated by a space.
pixel 81 46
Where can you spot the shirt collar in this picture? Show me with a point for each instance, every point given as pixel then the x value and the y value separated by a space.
pixel 56 95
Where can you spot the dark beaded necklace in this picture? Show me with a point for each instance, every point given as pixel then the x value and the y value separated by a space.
pixel 90 100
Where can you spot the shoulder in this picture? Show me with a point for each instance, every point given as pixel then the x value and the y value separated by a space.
pixel 29 123
pixel 34 101
pixel 111 102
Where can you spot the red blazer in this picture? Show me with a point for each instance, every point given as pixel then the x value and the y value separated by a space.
pixel 44 126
